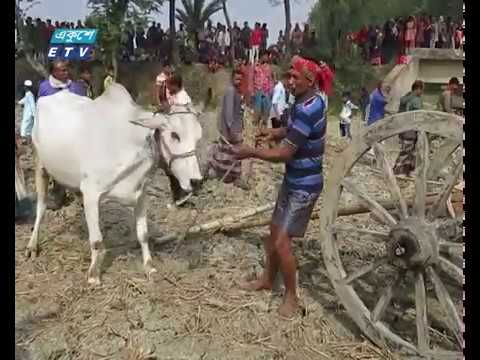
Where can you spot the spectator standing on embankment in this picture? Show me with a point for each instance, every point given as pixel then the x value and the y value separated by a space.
pixel 405 163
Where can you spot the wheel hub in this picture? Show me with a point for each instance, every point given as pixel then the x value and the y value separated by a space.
pixel 413 244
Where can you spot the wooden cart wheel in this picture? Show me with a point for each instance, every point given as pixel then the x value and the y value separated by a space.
pixel 413 249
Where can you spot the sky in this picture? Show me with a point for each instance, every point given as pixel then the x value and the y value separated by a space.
pixel 239 10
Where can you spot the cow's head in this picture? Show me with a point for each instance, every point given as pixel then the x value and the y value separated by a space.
pixel 178 135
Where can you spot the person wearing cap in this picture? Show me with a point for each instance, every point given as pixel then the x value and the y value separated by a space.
pixel 28 116
pixel 301 149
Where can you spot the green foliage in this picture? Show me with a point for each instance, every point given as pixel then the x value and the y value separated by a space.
pixel 196 14
pixel 351 75
pixel 113 18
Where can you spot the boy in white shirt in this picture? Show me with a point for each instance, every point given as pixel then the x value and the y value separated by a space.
pixel 346 116
pixel 279 103
pixel 178 95
pixel 178 98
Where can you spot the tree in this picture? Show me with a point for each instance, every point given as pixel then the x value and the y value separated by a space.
pixel 111 18
pixel 288 20
pixel 196 14
pixel 173 43
pixel 229 29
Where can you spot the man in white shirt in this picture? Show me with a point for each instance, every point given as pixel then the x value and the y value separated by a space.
pixel 279 102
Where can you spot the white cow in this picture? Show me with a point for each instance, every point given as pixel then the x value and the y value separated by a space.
pixel 96 146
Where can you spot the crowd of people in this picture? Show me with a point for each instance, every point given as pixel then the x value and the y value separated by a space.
pixel 212 45
pixel 380 44
pixel 37 34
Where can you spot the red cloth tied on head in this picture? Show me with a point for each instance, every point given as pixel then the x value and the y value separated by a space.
pixel 326 76
pixel 321 74
pixel 308 67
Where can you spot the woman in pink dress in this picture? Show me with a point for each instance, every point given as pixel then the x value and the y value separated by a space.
pixel 410 34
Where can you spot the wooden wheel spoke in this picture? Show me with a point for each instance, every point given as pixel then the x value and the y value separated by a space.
pixel 385 299
pixel 441 201
pixel 421 179
pixel 371 203
pixel 353 229
pixel 364 270
pixel 440 158
pixel 390 179
pixel 447 304
pixel 451 270
pixel 423 339
pixel 444 355
pixel 451 248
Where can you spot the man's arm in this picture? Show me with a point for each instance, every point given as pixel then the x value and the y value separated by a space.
pixel 236 127
pixel 293 139
pixel 271 134
pixel 447 102
pixel 354 107
pixel 282 153
pixel 280 133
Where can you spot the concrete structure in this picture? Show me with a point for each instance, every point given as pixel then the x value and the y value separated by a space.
pixel 432 66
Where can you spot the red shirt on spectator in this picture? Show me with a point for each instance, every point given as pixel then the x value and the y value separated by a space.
pixel 256 37
pixel 362 36
pixel 263 80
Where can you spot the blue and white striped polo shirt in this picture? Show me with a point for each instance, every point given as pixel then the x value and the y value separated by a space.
pixel 306 131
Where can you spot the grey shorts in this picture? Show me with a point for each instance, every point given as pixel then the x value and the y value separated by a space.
pixel 293 210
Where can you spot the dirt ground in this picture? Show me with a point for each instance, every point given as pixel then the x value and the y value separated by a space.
pixel 193 309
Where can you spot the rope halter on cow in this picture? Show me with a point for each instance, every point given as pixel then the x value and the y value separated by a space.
pixel 171 156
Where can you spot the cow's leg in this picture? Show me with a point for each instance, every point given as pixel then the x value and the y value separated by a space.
pixel 91 203
pixel 41 184
pixel 142 233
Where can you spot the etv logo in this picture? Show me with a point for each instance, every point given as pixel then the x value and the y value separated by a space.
pixel 72 44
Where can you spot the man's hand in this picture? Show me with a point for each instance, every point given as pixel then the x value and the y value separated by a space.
pixel 264 135
pixel 241 152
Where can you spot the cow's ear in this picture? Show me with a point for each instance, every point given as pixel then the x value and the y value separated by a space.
pixel 151 121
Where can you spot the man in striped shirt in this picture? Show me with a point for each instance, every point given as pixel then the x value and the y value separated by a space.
pixel 302 147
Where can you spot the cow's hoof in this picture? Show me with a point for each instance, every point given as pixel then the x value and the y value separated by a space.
pixel 93 276
pixel 31 253
pixel 150 272
pixel 94 281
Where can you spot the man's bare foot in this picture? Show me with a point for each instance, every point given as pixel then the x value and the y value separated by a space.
pixel 256 285
pixel 289 308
